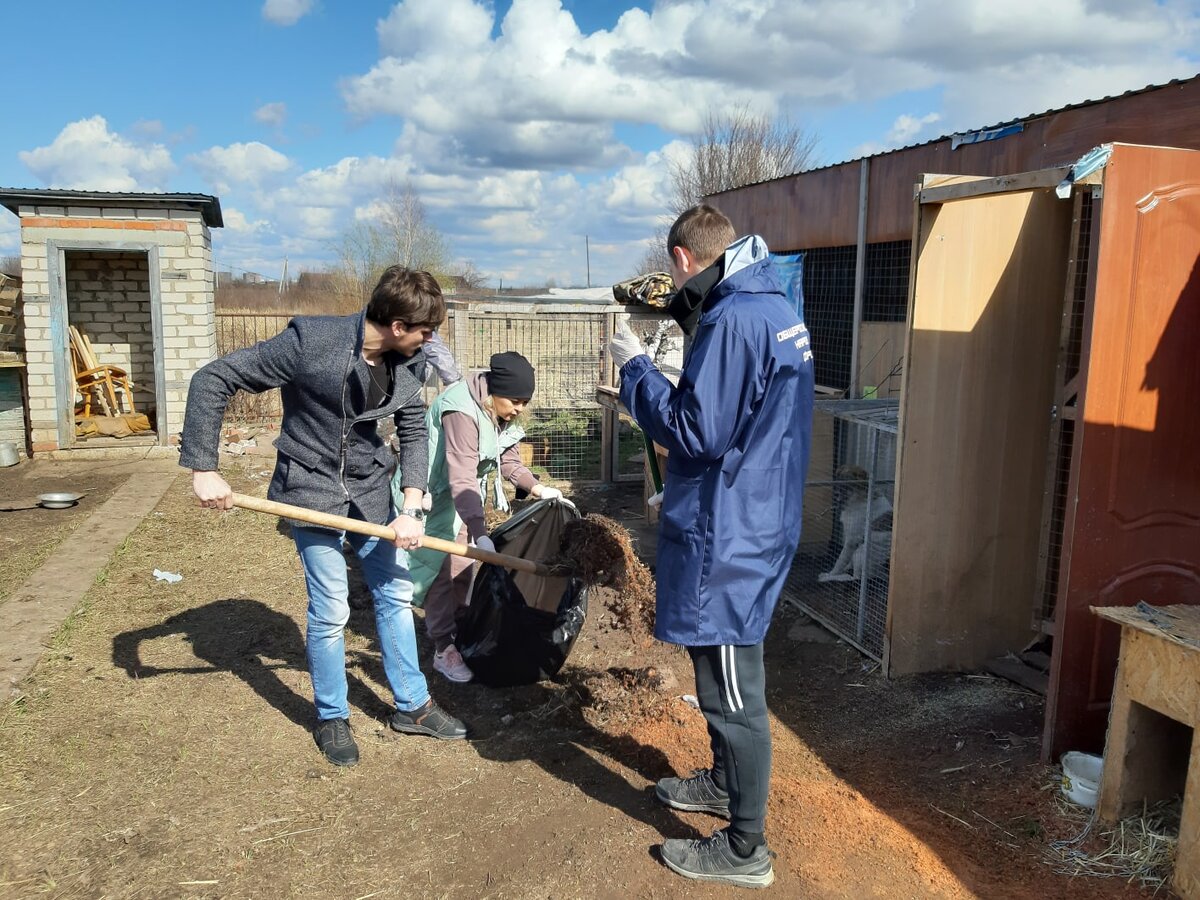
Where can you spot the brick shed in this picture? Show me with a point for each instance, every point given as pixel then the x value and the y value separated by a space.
pixel 132 272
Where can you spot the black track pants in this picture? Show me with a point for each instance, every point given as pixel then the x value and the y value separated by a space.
pixel 731 688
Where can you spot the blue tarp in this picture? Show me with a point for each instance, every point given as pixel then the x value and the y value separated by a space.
pixel 791 272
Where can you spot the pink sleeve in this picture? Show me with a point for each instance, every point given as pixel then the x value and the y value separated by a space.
pixel 462 466
pixel 514 471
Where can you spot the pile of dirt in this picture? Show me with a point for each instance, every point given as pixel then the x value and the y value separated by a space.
pixel 619 694
pixel 600 552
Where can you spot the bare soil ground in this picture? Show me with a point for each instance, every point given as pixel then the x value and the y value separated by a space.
pixel 29 536
pixel 163 750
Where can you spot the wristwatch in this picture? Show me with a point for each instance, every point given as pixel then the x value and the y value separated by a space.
pixel 414 511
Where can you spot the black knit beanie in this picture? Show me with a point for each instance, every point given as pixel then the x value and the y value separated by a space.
pixel 510 375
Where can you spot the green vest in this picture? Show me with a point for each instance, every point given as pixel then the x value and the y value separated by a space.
pixel 443 520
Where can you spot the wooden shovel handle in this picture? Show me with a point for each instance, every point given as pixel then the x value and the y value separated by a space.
pixel 341 523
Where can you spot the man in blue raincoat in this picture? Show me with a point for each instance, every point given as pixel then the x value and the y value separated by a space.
pixel 737 428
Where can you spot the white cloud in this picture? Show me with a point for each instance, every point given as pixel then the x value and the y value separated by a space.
pixel 286 12
pixel 254 164
pixel 147 128
pixel 538 92
pixel 87 155
pixel 236 221
pixel 272 114
pixel 907 127
pixel 508 129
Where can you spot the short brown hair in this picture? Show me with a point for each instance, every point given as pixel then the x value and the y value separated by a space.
pixel 704 231
pixel 408 296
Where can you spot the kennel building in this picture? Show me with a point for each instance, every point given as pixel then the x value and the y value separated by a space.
pixel 853 225
pixel 118 283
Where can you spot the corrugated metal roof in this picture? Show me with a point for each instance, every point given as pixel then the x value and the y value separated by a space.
pixel 208 205
pixel 945 137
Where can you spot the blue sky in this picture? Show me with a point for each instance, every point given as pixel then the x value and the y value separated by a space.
pixel 522 125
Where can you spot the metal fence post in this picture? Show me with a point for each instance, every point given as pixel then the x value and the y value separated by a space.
pixel 860 265
pixel 610 431
pixel 865 577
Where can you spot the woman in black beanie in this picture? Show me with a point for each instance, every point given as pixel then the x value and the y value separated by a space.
pixel 473 432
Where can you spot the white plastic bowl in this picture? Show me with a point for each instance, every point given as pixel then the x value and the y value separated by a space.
pixel 1081 778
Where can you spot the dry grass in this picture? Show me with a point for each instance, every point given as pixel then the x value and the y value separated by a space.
pixel 1138 849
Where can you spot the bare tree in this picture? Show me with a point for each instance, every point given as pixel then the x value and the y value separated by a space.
pixel 471 278
pixel 732 150
pixel 399 233
pixel 736 149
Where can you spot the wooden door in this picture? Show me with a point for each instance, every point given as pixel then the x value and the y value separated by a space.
pixel 1132 529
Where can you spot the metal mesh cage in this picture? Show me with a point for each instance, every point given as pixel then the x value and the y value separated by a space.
pixel 1062 431
pixel 840 573
pixel 829 312
pixel 563 424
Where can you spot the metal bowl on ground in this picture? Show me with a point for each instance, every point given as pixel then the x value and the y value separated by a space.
pixel 58 500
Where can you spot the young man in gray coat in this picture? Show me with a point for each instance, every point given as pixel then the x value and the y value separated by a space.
pixel 338 376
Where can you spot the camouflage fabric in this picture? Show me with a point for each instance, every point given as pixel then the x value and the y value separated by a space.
pixel 653 289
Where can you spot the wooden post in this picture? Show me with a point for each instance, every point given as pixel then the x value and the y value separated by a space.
pixel 1187 855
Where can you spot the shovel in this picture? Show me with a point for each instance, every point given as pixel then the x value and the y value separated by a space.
pixel 341 523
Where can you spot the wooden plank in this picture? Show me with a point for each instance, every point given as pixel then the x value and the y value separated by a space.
pixel 1018 673
pixel 1179 623
pixel 1023 181
pixel 1149 754
pixel 984 320
pixel 1187 852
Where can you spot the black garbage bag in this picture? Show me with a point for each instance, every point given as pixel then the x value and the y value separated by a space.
pixel 519 628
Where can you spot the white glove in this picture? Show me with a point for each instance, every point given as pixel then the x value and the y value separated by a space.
pixel 656 501
pixel 484 543
pixel 551 493
pixel 624 346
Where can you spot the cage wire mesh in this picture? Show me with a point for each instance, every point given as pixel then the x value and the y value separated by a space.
pixel 839 575
pixel 829 313
pixel 883 332
pixel 567 351
pixel 663 340
pixel 1062 434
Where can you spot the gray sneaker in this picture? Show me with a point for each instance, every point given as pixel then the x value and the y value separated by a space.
pixel 712 859
pixel 696 794
pixel 429 720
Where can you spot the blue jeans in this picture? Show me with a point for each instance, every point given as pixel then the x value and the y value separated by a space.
pixel 385 568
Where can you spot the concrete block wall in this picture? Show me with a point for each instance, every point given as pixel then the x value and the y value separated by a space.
pixel 185 277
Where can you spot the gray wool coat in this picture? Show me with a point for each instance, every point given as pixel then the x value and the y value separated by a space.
pixel 331 457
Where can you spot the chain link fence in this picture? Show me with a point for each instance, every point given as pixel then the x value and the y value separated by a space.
pixel 840 572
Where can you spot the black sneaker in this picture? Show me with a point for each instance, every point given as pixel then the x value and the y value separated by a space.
pixel 430 719
pixel 712 859
pixel 696 794
pixel 334 738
